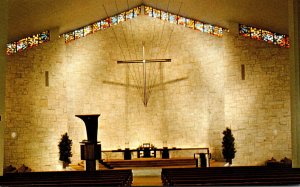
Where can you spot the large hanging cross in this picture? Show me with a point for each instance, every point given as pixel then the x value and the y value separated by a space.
pixel 144 61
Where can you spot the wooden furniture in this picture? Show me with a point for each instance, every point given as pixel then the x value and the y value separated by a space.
pixel 90 148
pixel 147 152
pixel 69 178
pixel 232 176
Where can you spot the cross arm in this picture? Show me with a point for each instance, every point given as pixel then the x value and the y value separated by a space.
pixel 141 61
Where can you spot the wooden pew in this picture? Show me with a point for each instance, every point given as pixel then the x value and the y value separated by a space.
pixel 230 176
pixel 71 178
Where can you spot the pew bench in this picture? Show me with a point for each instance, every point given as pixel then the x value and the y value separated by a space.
pixel 71 178
pixel 256 175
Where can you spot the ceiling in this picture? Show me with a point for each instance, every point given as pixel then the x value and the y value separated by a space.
pixel 27 17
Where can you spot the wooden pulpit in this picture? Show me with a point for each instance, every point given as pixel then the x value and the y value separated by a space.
pixel 90 148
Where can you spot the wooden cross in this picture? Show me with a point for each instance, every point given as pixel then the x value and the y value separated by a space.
pixel 144 61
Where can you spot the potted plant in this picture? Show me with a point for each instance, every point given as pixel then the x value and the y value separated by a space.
pixel 65 146
pixel 228 146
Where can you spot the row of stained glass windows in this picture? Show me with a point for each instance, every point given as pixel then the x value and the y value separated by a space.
pixel 187 22
pixel 264 35
pixel 244 30
pixel 102 24
pixel 28 42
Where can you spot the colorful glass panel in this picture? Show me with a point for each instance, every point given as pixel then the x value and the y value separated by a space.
pixel 114 20
pixel 156 13
pixel 44 37
pixel 148 11
pixel 33 40
pixel 88 30
pixel 78 33
pixel 11 48
pixel 69 36
pixel 190 23
pixel 121 17
pixel 137 11
pixel 199 26
pixel 181 20
pixel 164 16
pixel 129 14
pixel 279 39
pixel 96 26
pixel 132 13
pixel 218 31
pixel 21 45
pixel 245 30
pixel 208 28
pixel 172 18
pixel 104 23
pixel 287 42
pixel 267 36
pixel 255 33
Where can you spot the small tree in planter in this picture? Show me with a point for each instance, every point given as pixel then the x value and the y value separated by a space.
pixel 228 146
pixel 65 146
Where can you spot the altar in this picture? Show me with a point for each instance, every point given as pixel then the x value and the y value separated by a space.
pixel 149 151
pixel 146 151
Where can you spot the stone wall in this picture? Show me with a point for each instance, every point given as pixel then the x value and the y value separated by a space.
pixel 3 41
pixel 257 108
pixel 192 99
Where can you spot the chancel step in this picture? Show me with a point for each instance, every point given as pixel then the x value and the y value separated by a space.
pixel 150 162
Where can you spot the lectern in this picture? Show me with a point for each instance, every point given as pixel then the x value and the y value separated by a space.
pixel 90 148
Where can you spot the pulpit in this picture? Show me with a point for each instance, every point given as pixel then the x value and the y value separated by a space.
pixel 90 148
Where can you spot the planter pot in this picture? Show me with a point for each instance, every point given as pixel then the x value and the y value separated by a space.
pixel 65 165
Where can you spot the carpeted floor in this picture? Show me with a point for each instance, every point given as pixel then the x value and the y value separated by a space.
pixel 146 181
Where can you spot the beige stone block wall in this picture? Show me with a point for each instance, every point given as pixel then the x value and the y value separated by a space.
pixel 192 100
pixel 257 108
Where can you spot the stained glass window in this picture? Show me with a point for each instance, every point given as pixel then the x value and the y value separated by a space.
pixel 190 23
pixel 199 26
pixel 79 33
pixel 156 13
pixel 218 31
pixel 132 13
pixel 137 11
pixel 96 26
pixel 11 48
pixel 148 11
pixel 245 30
pixel 21 45
pixel 208 28
pixel 172 18
pixel 279 39
pixel 129 14
pixel 44 37
pixel 121 17
pixel 69 36
pixel 105 23
pixel 114 20
pixel 255 33
pixel 33 40
pixel 181 20
pixel 287 42
pixel 88 30
pixel 267 36
pixel 164 16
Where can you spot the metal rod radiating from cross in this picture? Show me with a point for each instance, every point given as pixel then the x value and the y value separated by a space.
pixel 144 61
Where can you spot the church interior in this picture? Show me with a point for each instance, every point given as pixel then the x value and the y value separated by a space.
pixel 168 76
